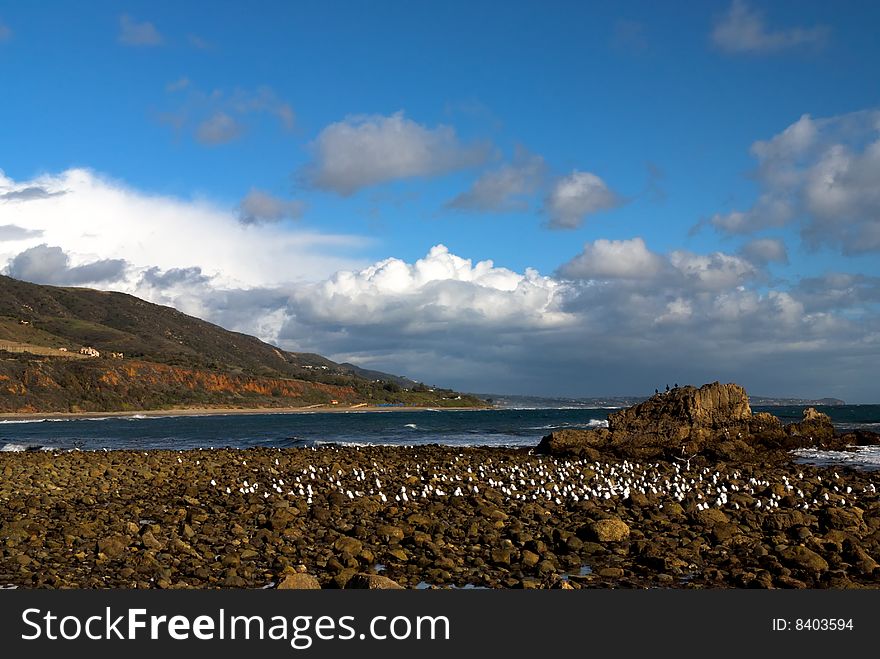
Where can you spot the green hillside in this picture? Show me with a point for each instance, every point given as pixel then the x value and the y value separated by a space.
pixel 36 321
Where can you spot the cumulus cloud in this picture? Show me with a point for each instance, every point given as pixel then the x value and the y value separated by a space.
pixel 632 260
pixel 615 259
pixel 482 327
pixel 574 197
pixel 744 30
pixel 366 150
pixel 134 33
pixel 504 188
pixel 763 251
pixel 51 265
pixel 619 318
pixel 824 175
pixel 260 206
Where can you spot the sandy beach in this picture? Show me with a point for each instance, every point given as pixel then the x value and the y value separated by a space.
pixel 219 411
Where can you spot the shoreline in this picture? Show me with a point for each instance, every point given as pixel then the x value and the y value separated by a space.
pixel 229 411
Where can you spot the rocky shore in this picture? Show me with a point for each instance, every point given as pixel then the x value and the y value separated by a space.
pixel 631 507
pixel 475 517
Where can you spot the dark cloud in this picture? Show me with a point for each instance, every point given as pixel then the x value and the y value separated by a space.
pixel 50 265
pixel 260 207
pixel 29 193
pixel 15 232
pixel 174 277
pixel 505 188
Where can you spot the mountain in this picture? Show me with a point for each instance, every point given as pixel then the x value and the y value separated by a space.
pixel 153 357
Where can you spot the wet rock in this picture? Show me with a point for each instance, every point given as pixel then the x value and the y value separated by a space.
pixel 372 582
pixel 609 530
pixel 803 558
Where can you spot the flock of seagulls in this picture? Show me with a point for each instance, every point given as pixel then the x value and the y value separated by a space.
pixel 541 479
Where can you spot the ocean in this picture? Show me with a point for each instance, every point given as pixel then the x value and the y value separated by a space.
pixel 501 427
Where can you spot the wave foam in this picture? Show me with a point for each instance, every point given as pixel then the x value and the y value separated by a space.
pixel 864 457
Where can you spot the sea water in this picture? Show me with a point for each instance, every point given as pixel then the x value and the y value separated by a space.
pixel 500 427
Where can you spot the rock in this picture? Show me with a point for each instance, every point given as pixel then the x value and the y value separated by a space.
pixel 372 582
pixel 803 558
pixel 711 517
pixel 815 425
pixel 609 530
pixel 587 444
pixel 281 518
pixel 351 546
pixel 299 581
pixel 389 533
pixel 715 421
pixel 529 558
pixel 501 557
pixel 611 572
pixel 113 545
pixel 681 422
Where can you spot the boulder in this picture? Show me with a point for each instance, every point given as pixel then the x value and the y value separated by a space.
pixel 575 443
pixel 815 426
pixel 372 582
pixel 803 558
pixel 299 581
pixel 682 421
pixel 609 530
pixel 714 421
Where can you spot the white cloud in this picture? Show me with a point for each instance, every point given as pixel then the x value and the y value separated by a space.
pixel 259 206
pixel 823 174
pixel 133 33
pixel 445 319
pixel 615 259
pixel 744 30
pixel 437 290
pixel 361 151
pixel 575 196
pixel 504 188
pixel 98 218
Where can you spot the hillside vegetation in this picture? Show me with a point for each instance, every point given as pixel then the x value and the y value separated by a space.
pixel 168 360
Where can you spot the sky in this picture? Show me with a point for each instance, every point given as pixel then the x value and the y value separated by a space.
pixel 545 198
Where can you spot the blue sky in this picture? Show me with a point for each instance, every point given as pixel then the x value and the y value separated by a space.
pixel 613 148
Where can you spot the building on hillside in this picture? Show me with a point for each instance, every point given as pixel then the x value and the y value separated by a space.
pixel 89 351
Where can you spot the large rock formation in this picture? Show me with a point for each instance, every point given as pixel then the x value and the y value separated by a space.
pixel 714 420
